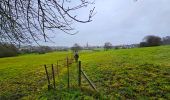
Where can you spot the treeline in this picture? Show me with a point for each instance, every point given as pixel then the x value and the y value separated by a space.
pixel 152 40
pixel 35 49
pixel 148 41
pixel 166 40
pixel 10 50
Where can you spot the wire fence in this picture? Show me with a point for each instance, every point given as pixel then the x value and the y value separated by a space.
pixel 69 75
pixel 64 74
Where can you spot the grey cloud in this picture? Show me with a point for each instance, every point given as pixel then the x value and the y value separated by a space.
pixel 120 22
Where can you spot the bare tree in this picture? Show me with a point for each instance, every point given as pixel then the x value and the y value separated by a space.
pixel 166 40
pixel 107 46
pixel 76 47
pixel 24 21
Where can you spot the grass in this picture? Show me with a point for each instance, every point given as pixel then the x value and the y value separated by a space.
pixel 131 73
pixel 24 75
pixel 139 73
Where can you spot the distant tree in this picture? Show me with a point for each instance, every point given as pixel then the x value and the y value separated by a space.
pixel 36 49
pixel 107 46
pixel 44 49
pixel 166 40
pixel 143 44
pixel 8 50
pixel 151 40
pixel 116 47
pixel 76 47
pixel 25 51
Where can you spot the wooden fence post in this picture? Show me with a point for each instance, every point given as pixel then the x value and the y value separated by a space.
pixel 68 73
pixel 49 87
pixel 79 73
pixel 53 74
pixel 91 84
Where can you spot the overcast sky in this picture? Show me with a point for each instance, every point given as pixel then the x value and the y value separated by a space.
pixel 120 22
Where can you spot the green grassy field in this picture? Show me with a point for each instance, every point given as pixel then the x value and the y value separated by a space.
pixel 139 73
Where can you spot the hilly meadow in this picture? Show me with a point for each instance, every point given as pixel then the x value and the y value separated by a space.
pixel 137 73
pixel 84 50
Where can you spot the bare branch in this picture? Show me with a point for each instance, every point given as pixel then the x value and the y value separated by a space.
pixel 24 21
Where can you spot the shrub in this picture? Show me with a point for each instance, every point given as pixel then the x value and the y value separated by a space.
pixel 8 50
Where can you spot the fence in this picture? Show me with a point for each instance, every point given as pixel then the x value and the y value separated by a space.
pixel 30 80
pixel 70 75
pixel 60 75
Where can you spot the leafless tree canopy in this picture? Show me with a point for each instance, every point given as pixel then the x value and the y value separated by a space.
pixel 30 20
pixel 107 45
